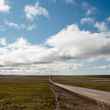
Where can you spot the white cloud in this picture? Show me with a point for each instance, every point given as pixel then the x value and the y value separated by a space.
pixel 35 10
pixel 4 7
pixel 41 69
pixel 28 27
pixel 23 52
pixel 108 19
pixel 90 10
pixel 11 24
pixel 87 20
pixel 71 42
pixel 3 42
pixel 101 26
pixel 105 66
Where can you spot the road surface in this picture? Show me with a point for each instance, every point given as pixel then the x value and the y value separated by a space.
pixel 97 95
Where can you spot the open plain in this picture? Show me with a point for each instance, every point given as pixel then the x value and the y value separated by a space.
pixel 37 93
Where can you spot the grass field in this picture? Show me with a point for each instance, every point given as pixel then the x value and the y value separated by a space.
pixel 94 82
pixel 25 93
pixel 34 92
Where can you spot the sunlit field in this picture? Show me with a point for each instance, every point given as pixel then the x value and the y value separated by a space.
pixel 25 93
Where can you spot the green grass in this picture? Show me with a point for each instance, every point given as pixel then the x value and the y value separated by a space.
pixel 94 82
pixel 25 93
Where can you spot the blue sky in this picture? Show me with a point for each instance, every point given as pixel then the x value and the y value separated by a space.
pixel 74 34
pixel 61 14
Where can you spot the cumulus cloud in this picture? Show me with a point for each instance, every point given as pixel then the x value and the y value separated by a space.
pixel 74 43
pixel 4 6
pixel 69 43
pixel 23 52
pixel 35 10
pixel 108 19
pixel 101 26
pixel 3 42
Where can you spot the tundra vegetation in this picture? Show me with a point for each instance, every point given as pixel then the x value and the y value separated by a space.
pixel 36 93
pixel 25 93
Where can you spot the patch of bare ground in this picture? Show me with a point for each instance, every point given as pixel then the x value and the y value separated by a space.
pixel 66 100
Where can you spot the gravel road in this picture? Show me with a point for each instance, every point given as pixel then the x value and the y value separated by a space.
pixel 97 95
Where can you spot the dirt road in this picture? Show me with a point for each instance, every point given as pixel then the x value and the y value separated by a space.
pixel 97 95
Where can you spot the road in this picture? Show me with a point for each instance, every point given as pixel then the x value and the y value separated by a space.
pixel 97 95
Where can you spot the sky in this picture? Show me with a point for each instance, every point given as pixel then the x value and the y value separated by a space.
pixel 62 37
